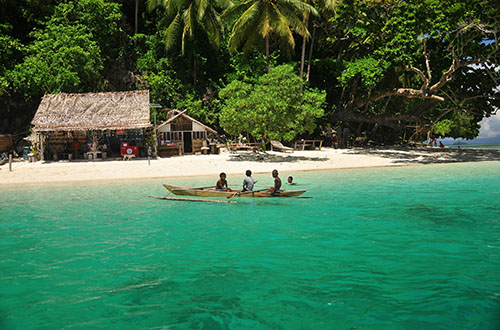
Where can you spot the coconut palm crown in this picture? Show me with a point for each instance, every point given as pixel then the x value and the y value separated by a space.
pixel 258 20
pixel 185 17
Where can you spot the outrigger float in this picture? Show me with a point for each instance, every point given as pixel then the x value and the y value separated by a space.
pixel 211 192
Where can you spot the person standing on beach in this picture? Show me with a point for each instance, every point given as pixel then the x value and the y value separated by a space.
pixel 248 182
pixel 277 183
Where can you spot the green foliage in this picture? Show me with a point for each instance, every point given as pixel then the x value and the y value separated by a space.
pixel 62 59
pixel 367 50
pixel 185 18
pixel 273 108
pixel 10 48
pixel 198 109
pixel 259 20
pixel 164 88
pixel 459 125
pixel 369 69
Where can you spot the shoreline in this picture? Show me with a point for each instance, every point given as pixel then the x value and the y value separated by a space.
pixel 328 159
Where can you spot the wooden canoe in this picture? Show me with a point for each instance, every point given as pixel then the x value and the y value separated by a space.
pixel 211 192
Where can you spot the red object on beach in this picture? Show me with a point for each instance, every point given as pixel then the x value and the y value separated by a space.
pixel 129 150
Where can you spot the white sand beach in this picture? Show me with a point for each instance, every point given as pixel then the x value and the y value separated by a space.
pixel 197 165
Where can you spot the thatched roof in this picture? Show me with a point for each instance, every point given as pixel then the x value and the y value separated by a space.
pixel 93 111
pixel 176 114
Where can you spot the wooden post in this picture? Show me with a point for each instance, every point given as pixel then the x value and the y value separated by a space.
pixel 156 137
pixel 10 163
pixel 42 147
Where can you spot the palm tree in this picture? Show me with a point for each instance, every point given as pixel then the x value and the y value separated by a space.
pixel 325 6
pixel 258 20
pixel 185 17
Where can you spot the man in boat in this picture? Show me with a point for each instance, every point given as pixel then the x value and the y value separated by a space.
pixel 221 185
pixel 248 182
pixel 277 183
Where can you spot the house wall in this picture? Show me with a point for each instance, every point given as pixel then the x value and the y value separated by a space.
pixel 198 128
pixel 198 134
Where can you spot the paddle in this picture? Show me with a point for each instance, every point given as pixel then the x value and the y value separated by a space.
pixel 244 193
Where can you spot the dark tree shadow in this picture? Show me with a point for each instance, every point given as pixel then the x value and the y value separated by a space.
pixel 430 155
pixel 269 158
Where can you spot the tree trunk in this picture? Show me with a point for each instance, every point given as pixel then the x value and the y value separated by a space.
pixel 136 19
pixel 303 55
pixel 194 71
pixel 310 55
pixel 267 54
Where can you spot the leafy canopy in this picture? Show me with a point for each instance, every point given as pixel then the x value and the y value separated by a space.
pixel 260 19
pixel 272 108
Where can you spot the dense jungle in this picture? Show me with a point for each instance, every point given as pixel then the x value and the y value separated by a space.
pixel 391 71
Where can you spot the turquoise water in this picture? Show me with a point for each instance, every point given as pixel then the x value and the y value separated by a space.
pixel 391 248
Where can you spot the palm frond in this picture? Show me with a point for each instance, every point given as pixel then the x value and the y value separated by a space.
pixel 213 26
pixel 299 7
pixel 174 32
pixel 153 4
pixel 265 27
pixel 244 26
pixel 294 21
pixel 202 6
pixel 329 4
pixel 234 12
pixel 189 19
pixel 281 25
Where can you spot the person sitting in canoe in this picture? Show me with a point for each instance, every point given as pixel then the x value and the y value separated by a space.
pixel 248 182
pixel 221 185
pixel 277 183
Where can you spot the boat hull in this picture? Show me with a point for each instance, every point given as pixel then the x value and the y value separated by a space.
pixel 187 191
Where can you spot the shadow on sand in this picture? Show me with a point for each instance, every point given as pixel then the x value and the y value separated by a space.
pixel 269 158
pixel 431 155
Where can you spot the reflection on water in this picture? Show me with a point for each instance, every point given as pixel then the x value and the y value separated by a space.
pixel 412 247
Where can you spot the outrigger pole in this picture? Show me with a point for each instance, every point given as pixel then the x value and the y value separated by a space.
pixel 192 199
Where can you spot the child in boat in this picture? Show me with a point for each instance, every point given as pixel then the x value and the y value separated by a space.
pixel 221 185
pixel 248 182
pixel 290 180
pixel 277 182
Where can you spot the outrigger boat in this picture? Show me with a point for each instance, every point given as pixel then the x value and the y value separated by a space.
pixel 211 192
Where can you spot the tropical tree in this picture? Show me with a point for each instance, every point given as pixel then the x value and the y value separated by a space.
pixel 188 20
pixel 272 108
pixel 258 20
pixel 325 6
pixel 401 63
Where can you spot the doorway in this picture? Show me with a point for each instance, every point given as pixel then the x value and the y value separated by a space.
pixel 188 142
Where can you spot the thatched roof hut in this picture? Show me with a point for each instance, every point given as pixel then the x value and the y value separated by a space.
pixel 93 111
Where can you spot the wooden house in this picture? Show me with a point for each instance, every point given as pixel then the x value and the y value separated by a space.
pixel 76 124
pixel 182 134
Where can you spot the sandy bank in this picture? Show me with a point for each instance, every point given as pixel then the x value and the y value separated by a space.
pixel 326 159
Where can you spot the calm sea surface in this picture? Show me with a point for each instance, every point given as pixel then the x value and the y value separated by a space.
pixel 392 248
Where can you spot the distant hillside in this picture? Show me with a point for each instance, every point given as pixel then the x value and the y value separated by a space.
pixel 490 140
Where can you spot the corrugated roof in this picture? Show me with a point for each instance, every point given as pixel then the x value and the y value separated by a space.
pixel 93 111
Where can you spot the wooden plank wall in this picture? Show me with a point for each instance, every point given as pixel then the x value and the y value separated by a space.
pixel 6 143
pixel 197 144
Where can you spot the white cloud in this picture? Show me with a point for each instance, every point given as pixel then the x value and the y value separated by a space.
pixel 490 127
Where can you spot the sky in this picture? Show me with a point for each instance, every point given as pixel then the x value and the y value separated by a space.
pixel 490 127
